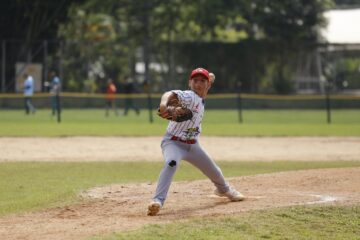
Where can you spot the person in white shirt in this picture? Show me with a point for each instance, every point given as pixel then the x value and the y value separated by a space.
pixel 28 93
pixel 181 142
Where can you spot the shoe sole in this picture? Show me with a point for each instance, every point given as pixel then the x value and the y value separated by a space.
pixel 237 199
pixel 153 209
pixel 240 198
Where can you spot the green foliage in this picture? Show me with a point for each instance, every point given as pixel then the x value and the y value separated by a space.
pixel 282 78
pixel 93 41
pixel 24 25
pixel 32 20
pixel 347 73
pixel 105 39
pixel 109 34
pixel 347 3
pixel 289 26
pixel 289 22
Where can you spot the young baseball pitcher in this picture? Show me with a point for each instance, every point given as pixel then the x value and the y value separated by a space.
pixel 185 110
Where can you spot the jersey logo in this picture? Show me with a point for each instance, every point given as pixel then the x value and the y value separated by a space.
pixel 192 132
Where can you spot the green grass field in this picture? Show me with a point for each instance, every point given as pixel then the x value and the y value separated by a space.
pixel 30 186
pixel 92 122
pixel 287 223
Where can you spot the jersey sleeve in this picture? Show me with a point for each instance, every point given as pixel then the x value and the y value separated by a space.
pixel 185 97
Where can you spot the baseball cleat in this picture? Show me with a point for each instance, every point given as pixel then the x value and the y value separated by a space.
pixel 154 208
pixel 232 194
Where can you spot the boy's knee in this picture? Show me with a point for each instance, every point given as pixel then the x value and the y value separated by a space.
pixel 172 163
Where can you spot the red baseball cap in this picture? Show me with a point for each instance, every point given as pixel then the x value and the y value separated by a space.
pixel 200 71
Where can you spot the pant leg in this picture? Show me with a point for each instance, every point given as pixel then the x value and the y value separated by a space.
pixel 53 105
pixel 113 106
pixel 200 159
pixel 31 106
pixel 107 107
pixel 127 106
pixel 26 103
pixel 135 107
pixel 173 152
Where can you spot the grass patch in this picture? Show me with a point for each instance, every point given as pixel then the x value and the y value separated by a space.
pixel 92 122
pixel 310 222
pixel 28 186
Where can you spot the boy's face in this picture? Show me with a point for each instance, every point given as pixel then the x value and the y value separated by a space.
pixel 200 84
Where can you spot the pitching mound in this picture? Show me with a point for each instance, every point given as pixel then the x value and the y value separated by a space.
pixel 117 208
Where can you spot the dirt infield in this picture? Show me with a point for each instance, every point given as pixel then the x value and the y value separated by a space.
pixel 116 208
pixel 148 148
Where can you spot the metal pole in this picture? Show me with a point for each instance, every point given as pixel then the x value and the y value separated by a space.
pixel 45 65
pixel 239 102
pixel 328 105
pixel 61 73
pixel 58 107
pixel 3 66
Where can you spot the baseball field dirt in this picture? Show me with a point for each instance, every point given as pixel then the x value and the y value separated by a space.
pixel 148 148
pixel 120 207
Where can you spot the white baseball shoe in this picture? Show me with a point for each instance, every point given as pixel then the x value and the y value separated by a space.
pixel 232 194
pixel 154 208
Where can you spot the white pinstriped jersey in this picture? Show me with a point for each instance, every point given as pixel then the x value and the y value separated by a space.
pixel 190 129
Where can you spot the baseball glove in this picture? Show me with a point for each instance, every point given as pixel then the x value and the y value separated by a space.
pixel 176 111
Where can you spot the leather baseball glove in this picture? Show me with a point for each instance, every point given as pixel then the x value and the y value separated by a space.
pixel 176 111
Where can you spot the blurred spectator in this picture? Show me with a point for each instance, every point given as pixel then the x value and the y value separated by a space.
pixel 129 88
pixel 110 97
pixel 28 93
pixel 55 87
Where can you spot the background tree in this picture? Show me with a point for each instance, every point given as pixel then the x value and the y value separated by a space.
pixel 347 3
pixel 290 25
pixel 23 24
pixel 252 41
